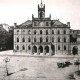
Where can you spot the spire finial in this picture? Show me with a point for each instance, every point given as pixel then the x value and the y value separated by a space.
pixel 41 3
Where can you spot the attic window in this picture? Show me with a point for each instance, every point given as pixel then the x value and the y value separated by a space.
pixel 47 23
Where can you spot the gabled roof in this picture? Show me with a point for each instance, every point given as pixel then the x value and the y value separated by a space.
pixel 26 23
pixel 58 23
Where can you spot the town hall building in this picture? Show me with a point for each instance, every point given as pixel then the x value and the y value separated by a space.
pixel 42 35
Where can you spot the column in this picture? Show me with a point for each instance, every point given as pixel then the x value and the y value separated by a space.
pixel 32 50
pixel 44 52
pixel 38 49
pixel 50 50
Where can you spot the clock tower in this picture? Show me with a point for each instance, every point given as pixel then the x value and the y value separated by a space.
pixel 41 10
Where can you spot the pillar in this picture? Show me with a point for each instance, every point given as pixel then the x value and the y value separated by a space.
pixel 50 50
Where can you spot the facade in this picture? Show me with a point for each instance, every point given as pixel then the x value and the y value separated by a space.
pixel 43 35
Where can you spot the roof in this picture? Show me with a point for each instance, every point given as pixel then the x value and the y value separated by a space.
pixel 26 23
pixel 58 23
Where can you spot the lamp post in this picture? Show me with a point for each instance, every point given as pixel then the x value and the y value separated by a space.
pixel 6 61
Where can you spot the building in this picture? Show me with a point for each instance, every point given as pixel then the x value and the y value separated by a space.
pixel 5 38
pixel 42 35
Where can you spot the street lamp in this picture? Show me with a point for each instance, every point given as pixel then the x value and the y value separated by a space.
pixel 6 61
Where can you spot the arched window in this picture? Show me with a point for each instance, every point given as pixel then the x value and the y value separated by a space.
pixel 23 47
pixel 23 39
pixel 29 48
pixel 64 32
pixel 64 39
pixel 64 47
pixel 34 39
pixel 17 47
pixel 29 32
pixel 58 32
pixel 29 40
pixel 58 47
pixel 17 39
pixel 46 31
pixel 46 39
pixel 41 40
pixel 52 32
pixel 34 31
pixel 52 39
pixel 58 39
pixel 40 31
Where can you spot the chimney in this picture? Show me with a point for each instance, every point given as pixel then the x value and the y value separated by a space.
pixel 68 23
pixel 15 24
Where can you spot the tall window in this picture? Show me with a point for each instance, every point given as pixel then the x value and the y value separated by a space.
pixel 17 39
pixel 64 32
pixel 47 23
pixel 40 31
pixel 52 39
pixel 46 39
pixel 46 31
pixel 58 39
pixel 23 39
pixel 64 39
pixel 64 47
pixel 29 48
pixel 52 32
pixel 17 31
pixel 58 32
pixel 17 47
pixel 23 47
pixel 34 31
pixel 29 32
pixel 35 23
pixel 34 39
pixel 41 40
pixel 23 31
pixel 58 47
pixel 29 40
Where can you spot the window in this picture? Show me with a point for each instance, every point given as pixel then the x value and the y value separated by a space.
pixel 47 39
pixel 17 47
pixel 64 47
pixel 29 48
pixel 29 40
pixel 46 31
pixel 23 39
pixel 58 32
pixel 23 47
pixel 40 31
pixel 41 40
pixel 52 39
pixel 64 39
pixel 64 32
pixel 29 32
pixel 52 32
pixel 58 39
pixel 17 31
pixel 47 23
pixel 35 23
pixel 17 39
pixel 58 47
pixel 34 31
pixel 34 39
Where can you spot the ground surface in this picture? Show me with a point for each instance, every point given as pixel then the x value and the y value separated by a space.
pixel 35 67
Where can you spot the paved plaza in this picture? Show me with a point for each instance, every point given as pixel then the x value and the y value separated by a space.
pixel 35 67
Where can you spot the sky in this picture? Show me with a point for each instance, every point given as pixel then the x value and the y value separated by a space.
pixel 19 11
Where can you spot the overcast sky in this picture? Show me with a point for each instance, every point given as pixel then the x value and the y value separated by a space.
pixel 20 11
